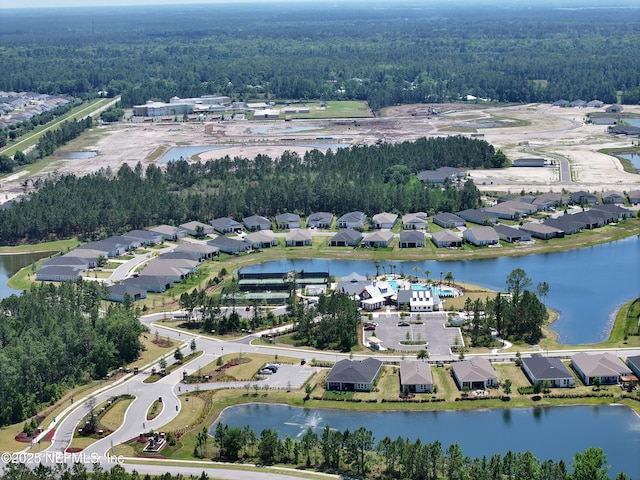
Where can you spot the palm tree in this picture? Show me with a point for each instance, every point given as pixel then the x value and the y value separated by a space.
pixel 449 278
pixel 422 355
pixel 416 269
pixel 426 274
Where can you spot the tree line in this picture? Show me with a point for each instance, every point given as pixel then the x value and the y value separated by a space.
pixel 372 179
pixel 517 316
pixel 357 453
pixel 520 54
pixel 53 338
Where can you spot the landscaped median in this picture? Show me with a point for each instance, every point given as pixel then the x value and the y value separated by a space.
pixel 157 374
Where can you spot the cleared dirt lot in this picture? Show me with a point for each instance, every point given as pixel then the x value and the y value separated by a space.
pixel 519 131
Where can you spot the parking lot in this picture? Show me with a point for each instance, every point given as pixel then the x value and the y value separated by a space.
pixel 424 330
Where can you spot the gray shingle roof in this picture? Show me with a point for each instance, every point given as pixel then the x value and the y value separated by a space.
pixel 354 371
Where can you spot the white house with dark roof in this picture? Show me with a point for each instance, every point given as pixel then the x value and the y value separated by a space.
pixel 192 228
pixel 320 220
pixel 634 197
pixel 261 239
pixel 298 238
pixel 542 231
pixel 352 220
pixel 119 293
pixel 256 222
pixel 415 376
pixel 446 239
pixel 58 274
pixel 479 217
pixel 613 196
pixel 412 239
pixel 169 232
pixel 145 237
pixel 477 373
pixel 354 375
pixel 287 221
pixel 481 236
pixel 511 235
pixel 149 283
pixel 547 369
pixel 415 221
pixel 581 197
pixel 614 210
pixel 442 174
pixel 231 246
pixel 377 239
pixel 511 209
pixel 385 220
pixel 605 366
pixel 205 251
pixel 176 269
pixel 448 220
pixel 226 225
pixel 346 238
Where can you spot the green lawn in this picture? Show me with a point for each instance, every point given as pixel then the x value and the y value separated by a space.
pixel 333 109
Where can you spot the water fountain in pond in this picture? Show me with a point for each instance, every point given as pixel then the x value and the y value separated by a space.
pixel 306 420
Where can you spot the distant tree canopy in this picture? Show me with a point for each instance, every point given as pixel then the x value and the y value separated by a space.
pixel 372 179
pixel 52 338
pixel 404 55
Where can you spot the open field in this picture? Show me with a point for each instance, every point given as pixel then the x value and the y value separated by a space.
pixel 532 130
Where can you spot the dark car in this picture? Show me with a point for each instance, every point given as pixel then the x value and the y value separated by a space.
pixel 369 327
pixel 403 324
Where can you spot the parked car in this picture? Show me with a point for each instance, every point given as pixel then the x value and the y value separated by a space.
pixel 403 324
pixel 369 327
pixel 265 371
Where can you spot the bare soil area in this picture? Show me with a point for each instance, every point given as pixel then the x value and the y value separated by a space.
pixel 520 131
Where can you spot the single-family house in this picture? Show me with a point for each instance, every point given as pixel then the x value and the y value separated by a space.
pixel 226 225
pixel 595 104
pixel 412 239
pixel 68 261
pixel 175 269
pixel 109 247
pixel 616 211
pixel 549 200
pixel 377 239
pixel 415 377
pixel 144 237
pixel 479 217
pixel 547 369
pixel 149 283
pixel 87 255
pixel 287 221
pixel 119 293
pixel 481 236
pixel 55 273
pixel 477 373
pixel 418 300
pixel 605 366
pixel 511 209
pixel 415 221
pixel 634 197
pixel 614 108
pixel 354 375
pixel 446 239
pixel 613 196
pixel 448 220
pixel 511 235
pixel 256 222
pixel 567 223
pixel 205 251
pixel 583 198
pixel 352 220
pixel 196 228
pixel 261 239
pixel 320 220
pixel 298 238
pixel 232 246
pixel 346 238
pixel 385 220
pixel 634 364
pixel 169 232
pixel 542 231
pixel 442 174
pixel 589 218
pixel 578 103
pixel 181 255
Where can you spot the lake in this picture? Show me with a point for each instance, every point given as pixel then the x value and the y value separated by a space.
pixel 586 286
pixel 555 433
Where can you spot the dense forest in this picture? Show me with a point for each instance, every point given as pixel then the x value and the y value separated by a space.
pixel 52 338
pixel 386 55
pixel 372 179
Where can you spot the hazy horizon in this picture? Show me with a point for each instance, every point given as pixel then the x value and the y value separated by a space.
pixel 26 4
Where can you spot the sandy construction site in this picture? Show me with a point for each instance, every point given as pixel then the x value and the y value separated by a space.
pixel 524 131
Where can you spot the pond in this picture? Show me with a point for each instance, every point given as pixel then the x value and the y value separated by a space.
pixel 634 158
pixel 586 286
pixel 555 433
pixel 634 122
pixel 11 264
